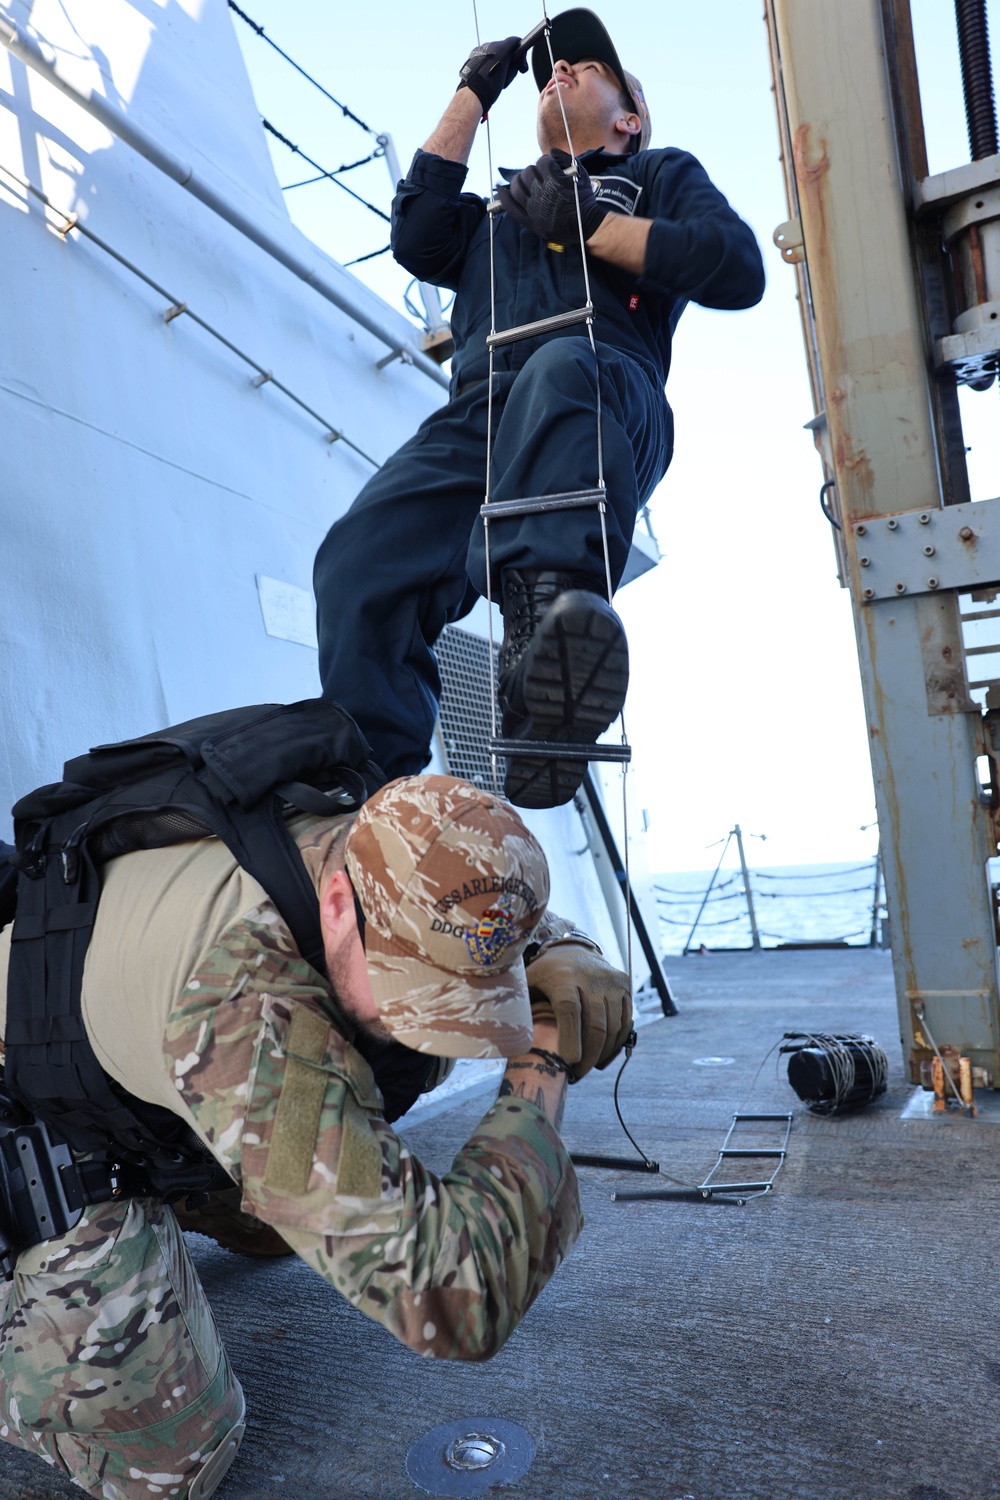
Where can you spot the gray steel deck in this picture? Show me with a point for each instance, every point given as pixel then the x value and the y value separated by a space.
pixel 835 1341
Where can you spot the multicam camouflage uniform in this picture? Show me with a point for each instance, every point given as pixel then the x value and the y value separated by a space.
pixel 111 1366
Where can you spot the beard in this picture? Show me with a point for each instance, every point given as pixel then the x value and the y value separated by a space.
pixel 344 976
pixel 376 1031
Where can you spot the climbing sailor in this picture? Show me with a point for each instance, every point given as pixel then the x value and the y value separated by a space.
pixel 410 556
pixel 201 1010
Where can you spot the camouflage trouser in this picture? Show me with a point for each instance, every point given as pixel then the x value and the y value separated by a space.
pixel 111 1366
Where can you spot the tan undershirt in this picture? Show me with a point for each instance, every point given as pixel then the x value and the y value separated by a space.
pixel 161 912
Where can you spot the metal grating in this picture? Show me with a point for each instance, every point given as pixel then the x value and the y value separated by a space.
pixel 465 722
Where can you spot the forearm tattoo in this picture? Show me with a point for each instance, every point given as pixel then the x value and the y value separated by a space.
pixel 533 1093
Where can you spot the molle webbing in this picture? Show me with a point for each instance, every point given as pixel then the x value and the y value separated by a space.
pixel 231 775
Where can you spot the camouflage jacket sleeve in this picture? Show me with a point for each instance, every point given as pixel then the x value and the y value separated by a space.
pixel 552 928
pixel 449 1265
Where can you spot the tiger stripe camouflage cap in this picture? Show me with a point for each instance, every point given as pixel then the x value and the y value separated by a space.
pixel 452 885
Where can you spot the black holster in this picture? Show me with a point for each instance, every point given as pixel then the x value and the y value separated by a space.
pixel 44 1188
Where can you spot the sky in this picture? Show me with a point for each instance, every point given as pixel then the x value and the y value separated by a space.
pixel 745 703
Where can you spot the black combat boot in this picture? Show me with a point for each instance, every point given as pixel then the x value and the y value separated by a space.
pixel 563 675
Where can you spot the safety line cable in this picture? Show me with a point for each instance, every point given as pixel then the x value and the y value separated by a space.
pixel 372 255
pixel 347 113
pixel 723 921
pixel 779 937
pixel 816 874
pixel 330 176
pixel 177 307
pixel 695 895
pixel 667 890
pixel 347 166
pixel 848 890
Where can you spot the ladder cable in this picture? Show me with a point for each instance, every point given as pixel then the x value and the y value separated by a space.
pixel 601 504
pixel 494 759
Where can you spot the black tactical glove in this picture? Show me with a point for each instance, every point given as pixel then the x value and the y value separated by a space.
pixel 491 67
pixel 541 199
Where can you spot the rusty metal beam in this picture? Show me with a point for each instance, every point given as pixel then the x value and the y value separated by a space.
pixel 842 95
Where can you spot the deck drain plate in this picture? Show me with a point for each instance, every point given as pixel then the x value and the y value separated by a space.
pixel 470 1456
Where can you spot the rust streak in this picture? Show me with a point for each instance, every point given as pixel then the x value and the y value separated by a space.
pixel 853 469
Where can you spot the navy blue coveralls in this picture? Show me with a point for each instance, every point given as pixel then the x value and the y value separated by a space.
pixel 408 557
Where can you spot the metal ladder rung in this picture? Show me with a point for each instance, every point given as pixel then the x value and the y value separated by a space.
pixel 736 1187
pixel 497 510
pixel 617 1163
pixel 556 750
pixel 675 1195
pixel 543 325
pixel 746 1151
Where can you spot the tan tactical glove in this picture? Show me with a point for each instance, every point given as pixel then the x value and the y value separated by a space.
pixel 570 980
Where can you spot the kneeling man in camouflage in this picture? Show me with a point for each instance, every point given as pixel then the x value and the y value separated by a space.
pixel 197 1001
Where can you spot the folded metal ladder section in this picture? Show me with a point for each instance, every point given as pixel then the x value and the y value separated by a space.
pixel 735 1193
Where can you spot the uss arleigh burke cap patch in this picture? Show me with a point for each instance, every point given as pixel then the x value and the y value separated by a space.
pixel 452 885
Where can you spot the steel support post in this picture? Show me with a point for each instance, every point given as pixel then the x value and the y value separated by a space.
pixel 834 83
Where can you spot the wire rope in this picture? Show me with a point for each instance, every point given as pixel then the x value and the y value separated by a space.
pixel 696 896
pixel 254 26
pixel 722 922
pixel 779 937
pixel 621 1119
pixel 347 166
pixel 330 176
pixel 720 885
pixel 839 1054
pixel 850 890
pixel 817 875
pixel 372 254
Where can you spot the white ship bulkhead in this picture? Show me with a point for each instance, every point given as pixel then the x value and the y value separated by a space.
pixel 161 505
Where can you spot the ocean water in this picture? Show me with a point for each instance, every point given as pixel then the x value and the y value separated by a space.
pixel 792 904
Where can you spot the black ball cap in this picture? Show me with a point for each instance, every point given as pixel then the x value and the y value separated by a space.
pixel 577 34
